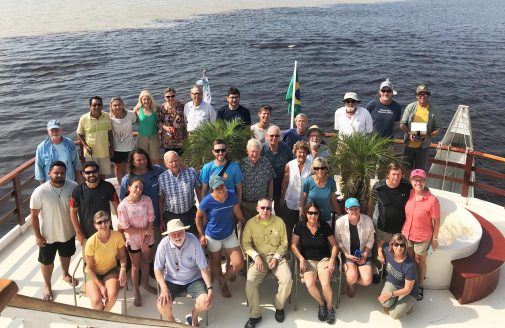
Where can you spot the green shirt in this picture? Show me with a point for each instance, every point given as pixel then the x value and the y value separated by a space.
pixel 147 123
pixel 265 239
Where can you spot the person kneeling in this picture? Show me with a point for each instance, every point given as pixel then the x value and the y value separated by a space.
pixel 180 267
pixel 400 290
pixel 354 233
pixel 264 239
pixel 103 277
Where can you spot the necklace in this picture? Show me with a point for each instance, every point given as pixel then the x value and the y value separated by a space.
pixel 54 189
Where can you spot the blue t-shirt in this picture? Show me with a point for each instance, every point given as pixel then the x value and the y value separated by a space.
pixel 397 273
pixel 232 176
pixel 384 117
pixel 151 188
pixel 290 137
pixel 220 223
pixel 320 196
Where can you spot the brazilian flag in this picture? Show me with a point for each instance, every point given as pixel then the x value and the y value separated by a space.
pixel 289 95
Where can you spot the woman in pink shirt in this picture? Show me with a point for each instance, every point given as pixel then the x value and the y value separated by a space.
pixel 421 225
pixel 136 215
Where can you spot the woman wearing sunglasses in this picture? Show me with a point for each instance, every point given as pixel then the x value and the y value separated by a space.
pixel 103 277
pixel 136 216
pixel 315 247
pixel 400 290
pixel 320 189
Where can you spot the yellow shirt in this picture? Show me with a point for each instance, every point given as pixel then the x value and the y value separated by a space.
pixel 265 238
pixel 104 254
pixel 96 133
pixel 421 116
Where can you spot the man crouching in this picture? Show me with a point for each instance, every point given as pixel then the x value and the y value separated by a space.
pixel 265 240
pixel 180 257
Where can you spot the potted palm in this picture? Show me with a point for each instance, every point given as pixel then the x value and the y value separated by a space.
pixel 357 160
pixel 198 146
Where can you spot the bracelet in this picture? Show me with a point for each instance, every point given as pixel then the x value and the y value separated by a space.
pixel 209 288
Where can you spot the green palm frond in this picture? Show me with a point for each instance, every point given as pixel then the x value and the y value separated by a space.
pixel 358 159
pixel 198 147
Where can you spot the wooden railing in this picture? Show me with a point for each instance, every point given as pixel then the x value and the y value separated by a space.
pixel 19 211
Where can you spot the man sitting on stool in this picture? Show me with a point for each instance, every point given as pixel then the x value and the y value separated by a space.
pixel 181 258
pixel 264 239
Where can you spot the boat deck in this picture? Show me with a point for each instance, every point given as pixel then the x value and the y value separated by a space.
pixel 439 308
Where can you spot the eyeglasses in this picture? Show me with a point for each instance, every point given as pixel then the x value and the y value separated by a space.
pixel 312 213
pixel 387 91
pixel 169 96
pixel 265 208
pixel 102 222
pixel 90 172
pixel 399 245
pixel 418 181
pixel 274 135
pixel 349 101
pixel 317 168
pixel 233 97
pixel 220 151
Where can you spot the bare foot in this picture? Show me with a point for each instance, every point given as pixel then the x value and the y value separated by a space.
pixel 47 295
pixel 150 289
pixel 225 292
pixel 137 300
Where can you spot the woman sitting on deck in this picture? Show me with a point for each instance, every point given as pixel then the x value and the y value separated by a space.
pixel 102 275
pixel 136 216
pixel 400 290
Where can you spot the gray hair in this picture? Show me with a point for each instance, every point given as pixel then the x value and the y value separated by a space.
pixel 170 152
pixel 253 143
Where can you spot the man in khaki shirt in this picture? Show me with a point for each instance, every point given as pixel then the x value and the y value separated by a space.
pixel 265 240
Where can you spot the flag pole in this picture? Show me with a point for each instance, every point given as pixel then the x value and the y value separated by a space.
pixel 293 99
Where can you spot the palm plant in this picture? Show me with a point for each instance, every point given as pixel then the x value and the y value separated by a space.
pixel 198 146
pixel 358 159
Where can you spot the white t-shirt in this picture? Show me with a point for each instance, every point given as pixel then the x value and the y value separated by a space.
pixel 361 122
pixel 259 133
pixel 54 206
pixel 122 132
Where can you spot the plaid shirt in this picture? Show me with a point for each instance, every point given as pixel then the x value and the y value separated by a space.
pixel 178 191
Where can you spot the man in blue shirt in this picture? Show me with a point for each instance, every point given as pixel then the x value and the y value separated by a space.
pixel 385 112
pixel 56 147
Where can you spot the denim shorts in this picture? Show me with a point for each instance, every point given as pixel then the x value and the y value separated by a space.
pixel 195 288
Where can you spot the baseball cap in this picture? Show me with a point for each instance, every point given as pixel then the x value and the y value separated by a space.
pixel 422 88
pixel 351 202
pixel 53 124
pixel 215 181
pixel 389 85
pixel 418 173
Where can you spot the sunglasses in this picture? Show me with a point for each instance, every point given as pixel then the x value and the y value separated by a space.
pixel 265 208
pixel 387 91
pixel 399 245
pixel 102 222
pixel 312 213
pixel 168 97
pixel 274 136
pixel 350 101
pixel 90 172
pixel 222 150
pixel 423 94
pixel 317 168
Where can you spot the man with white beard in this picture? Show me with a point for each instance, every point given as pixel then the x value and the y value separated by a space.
pixel 180 267
pixel 351 118
pixel 317 149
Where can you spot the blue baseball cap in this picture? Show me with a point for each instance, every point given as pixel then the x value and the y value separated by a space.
pixel 215 181
pixel 351 202
pixel 53 124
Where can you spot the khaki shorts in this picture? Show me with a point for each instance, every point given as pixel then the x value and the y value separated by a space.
pixel 103 163
pixel 318 266
pixel 420 247
pixel 151 145
pixel 214 245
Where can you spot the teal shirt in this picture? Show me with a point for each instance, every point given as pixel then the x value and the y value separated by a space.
pixel 147 124
pixel 320 196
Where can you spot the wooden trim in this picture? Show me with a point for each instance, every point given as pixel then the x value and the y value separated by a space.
pixel 8 290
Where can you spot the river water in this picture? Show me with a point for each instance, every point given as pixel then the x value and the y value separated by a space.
pixel 457 47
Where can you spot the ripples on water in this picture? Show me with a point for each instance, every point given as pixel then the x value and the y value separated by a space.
pixel 457 47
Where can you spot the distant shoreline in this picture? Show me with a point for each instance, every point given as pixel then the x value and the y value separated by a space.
pixel 46 17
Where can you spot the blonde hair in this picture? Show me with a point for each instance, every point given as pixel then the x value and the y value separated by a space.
pixel 319 162
pixel 146 93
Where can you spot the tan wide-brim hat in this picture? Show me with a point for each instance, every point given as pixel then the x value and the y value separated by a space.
pixel 175 225
pixel 350 95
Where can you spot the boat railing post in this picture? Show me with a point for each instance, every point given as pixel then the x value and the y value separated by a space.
pixel 18 200
pixel 467 174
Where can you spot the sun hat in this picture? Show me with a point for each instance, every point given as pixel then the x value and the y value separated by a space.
pixel 313 128
pixel 422 88
pixel 418 173
pixel 351 202
pixel 215 181
pixel 53 124
pixel 350 95
pixel 175 225
pixel 389 85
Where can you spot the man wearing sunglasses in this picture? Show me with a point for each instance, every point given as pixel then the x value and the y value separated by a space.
pixel 351 118
pixel 385 112
pixel 89 197
pixel 265 241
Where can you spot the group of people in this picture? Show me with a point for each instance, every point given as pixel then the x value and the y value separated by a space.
pixel 279 195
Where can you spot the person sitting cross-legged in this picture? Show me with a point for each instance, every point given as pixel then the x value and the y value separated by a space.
pixel 180 267
pixel 264 239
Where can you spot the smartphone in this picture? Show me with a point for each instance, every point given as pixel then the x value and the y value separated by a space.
pixel 357 253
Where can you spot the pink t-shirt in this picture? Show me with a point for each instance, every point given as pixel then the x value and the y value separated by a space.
pixel 137 216
pixel 418 224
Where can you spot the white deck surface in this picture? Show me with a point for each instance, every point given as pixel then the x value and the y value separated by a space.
pixel 18 261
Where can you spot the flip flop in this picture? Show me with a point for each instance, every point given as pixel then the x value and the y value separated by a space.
pixel 71 281
pixel 189 321
pixel 421 294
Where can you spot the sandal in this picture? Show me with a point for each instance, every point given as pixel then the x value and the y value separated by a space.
pixel 421 294
pixel 69 280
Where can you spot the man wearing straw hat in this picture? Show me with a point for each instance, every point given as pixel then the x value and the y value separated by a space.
pixel 180 267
